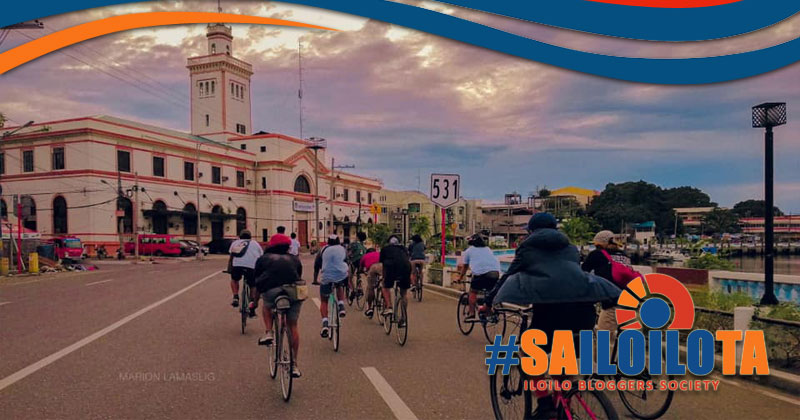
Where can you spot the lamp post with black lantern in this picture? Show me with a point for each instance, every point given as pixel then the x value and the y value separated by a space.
pixel 769 115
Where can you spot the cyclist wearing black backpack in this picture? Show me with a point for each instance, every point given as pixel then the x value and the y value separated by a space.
pixel 244 253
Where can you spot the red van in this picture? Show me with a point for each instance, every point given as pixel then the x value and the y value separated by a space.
pixel 67 247
pixel 158 245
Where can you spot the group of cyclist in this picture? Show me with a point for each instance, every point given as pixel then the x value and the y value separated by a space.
pixel 546 272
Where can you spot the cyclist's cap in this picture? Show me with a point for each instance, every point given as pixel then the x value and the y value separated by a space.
pixel 542 221
pixel 333 237
pixel 604 237
pixel 393 240
pixel 279 239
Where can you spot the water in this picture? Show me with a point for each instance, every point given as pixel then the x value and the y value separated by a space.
pixel 784 264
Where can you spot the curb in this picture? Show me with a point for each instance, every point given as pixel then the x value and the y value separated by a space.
pixel 776 379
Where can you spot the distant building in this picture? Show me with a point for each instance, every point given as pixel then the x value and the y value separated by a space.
pixel 401 208
pixel 583 196
pixel 785 227
pixel 645 232
pixel 566 202
pixel 509 219
pixel 692 217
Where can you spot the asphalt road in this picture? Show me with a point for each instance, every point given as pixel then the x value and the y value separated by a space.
pixel 161 341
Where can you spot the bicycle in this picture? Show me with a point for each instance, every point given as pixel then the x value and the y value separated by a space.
pixel 377 304
pixel 399 317
pixel 334 321
pixel 632 399
pixel 493 322
pixel 507 391
pixel 358 297
pixel 281 355
pixel 244 303
pixel 416 289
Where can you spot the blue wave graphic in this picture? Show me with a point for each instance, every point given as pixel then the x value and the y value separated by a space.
pixel 645 70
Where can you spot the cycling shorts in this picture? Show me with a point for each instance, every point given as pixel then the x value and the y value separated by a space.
pixel 248 273
pixel 484 282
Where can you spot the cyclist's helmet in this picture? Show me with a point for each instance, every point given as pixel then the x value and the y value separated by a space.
pixel 476 240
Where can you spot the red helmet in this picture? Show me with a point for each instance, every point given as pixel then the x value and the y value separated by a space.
pixel 278 239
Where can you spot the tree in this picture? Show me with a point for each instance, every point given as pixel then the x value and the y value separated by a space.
pixel 378 233
pixel 753 208
pixel 544 193
pixel 2 120
pixel 421 226
pixel 628 203
pixel 720 221
pixel 579 230
pixel 687 197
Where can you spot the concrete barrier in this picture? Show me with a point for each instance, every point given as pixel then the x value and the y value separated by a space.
pixel 787 288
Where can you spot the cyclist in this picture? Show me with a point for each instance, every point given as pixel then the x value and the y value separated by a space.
pixel 417 252
pixel 294 248
pixel 331 262
pixel 274 269
pixel 485 270
pixel 281 230
pixel 355 251
pixel 546 273
pixel 396 268
pixel 370 264
pixel 243 255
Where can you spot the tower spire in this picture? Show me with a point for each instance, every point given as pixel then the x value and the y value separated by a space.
pixel 219 6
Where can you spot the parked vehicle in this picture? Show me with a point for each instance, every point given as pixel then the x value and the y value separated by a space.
pixel 155 244
pixel 219 246
pixel 187 249
pixel 67 247
pixel 202 248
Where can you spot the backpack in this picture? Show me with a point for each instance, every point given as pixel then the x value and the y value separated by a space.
pixel 238 250
pixel 622 274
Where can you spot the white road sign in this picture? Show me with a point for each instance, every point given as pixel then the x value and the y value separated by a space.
pixel 445 189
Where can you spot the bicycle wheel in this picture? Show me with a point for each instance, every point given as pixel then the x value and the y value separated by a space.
pixel 589 405
pixel 463 310
pixel 273 349
pixel 286 363
pixel 377 308
pixel 401 314
pixel 334 327
pixel 387 322
pixel 243 307
pixel 645 404
pixel 360 297
pixel 509 400
pixel 494 324
pixel 347 295
pixel 418 289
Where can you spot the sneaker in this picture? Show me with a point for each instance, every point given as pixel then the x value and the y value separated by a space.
pixel 471 318
pixel 401 323
pixel 267 339
pixel 352 295
pixel 235 302
pixel 369 312
pixel 387 312
pixel 296 372
pixel 342 312
pixel 324 332
pixel 252 310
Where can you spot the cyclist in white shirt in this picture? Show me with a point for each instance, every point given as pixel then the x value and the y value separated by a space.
pixel 244 253
pixel 294 248
pixel 485 270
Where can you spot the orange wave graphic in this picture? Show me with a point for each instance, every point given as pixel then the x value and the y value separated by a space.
pixel 57 40
pixel 668 4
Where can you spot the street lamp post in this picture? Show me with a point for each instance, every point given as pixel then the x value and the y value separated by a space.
pixel 769 115
pixel 316 143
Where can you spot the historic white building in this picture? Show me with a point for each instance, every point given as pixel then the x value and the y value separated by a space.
pixel 69 172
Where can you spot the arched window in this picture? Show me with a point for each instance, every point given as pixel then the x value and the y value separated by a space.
pixel 59 215
pixel 126 206
pixel 159 217
pixel 302 185
pixel 213 48
pixel 189 219
pixel 3 209
pixel 241 219
pixel 28 212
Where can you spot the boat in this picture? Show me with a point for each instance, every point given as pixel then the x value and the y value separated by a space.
pixel 668 255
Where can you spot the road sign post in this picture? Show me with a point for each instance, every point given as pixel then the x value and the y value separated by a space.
pixel 445 191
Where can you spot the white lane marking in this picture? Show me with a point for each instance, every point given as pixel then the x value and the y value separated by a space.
pixel 29 370
pixel 398 407
pixel 99 282
pixel 4 303
pixel 783 398
pixel 316 302
pixel 23 282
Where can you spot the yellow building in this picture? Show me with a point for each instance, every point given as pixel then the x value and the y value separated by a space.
pixel 400 208
pixel 582 195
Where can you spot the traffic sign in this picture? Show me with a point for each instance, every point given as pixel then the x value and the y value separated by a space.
pixel 445 189
pixel 375 209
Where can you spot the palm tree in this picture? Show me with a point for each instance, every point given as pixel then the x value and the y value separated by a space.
pixel 2 120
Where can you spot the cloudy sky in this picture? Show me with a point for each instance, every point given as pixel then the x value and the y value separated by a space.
pixel 400 104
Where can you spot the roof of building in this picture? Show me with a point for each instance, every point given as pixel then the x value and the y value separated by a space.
pixel 165 131
pixel 574 191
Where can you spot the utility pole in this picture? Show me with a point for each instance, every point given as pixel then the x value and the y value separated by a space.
pixel 19 234
pixel 136 215
pixel 121 223
pixel 199 255
pixel 315 144
pixel 333 188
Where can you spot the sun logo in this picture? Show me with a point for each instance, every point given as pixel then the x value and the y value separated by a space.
pixel 654 302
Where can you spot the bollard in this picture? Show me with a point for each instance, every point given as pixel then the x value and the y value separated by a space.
pixel 4 267
pixel 742 316
pixel 33 263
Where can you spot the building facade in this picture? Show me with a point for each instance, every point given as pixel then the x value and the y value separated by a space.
pixel 400 209
pixel 103 178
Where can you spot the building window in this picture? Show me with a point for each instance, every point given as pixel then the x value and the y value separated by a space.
pixel 2 163
pixel 27 161
pixel 346 195
pixel 123 161
pixel 263 183
pixel 216 175
pixel 243 146
pixel 58 158
pixel 241 129
pixel 302 185
pixel 188 171
pixel 208 120
pixel 158 166
pixel 263 149
pixel 3 209
pixel 241 220
pixel 59 215
pixel 369 198
pixel 413 207
pixel 358 196
pixel 240 179
pixel 189 219
pixel 213 48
